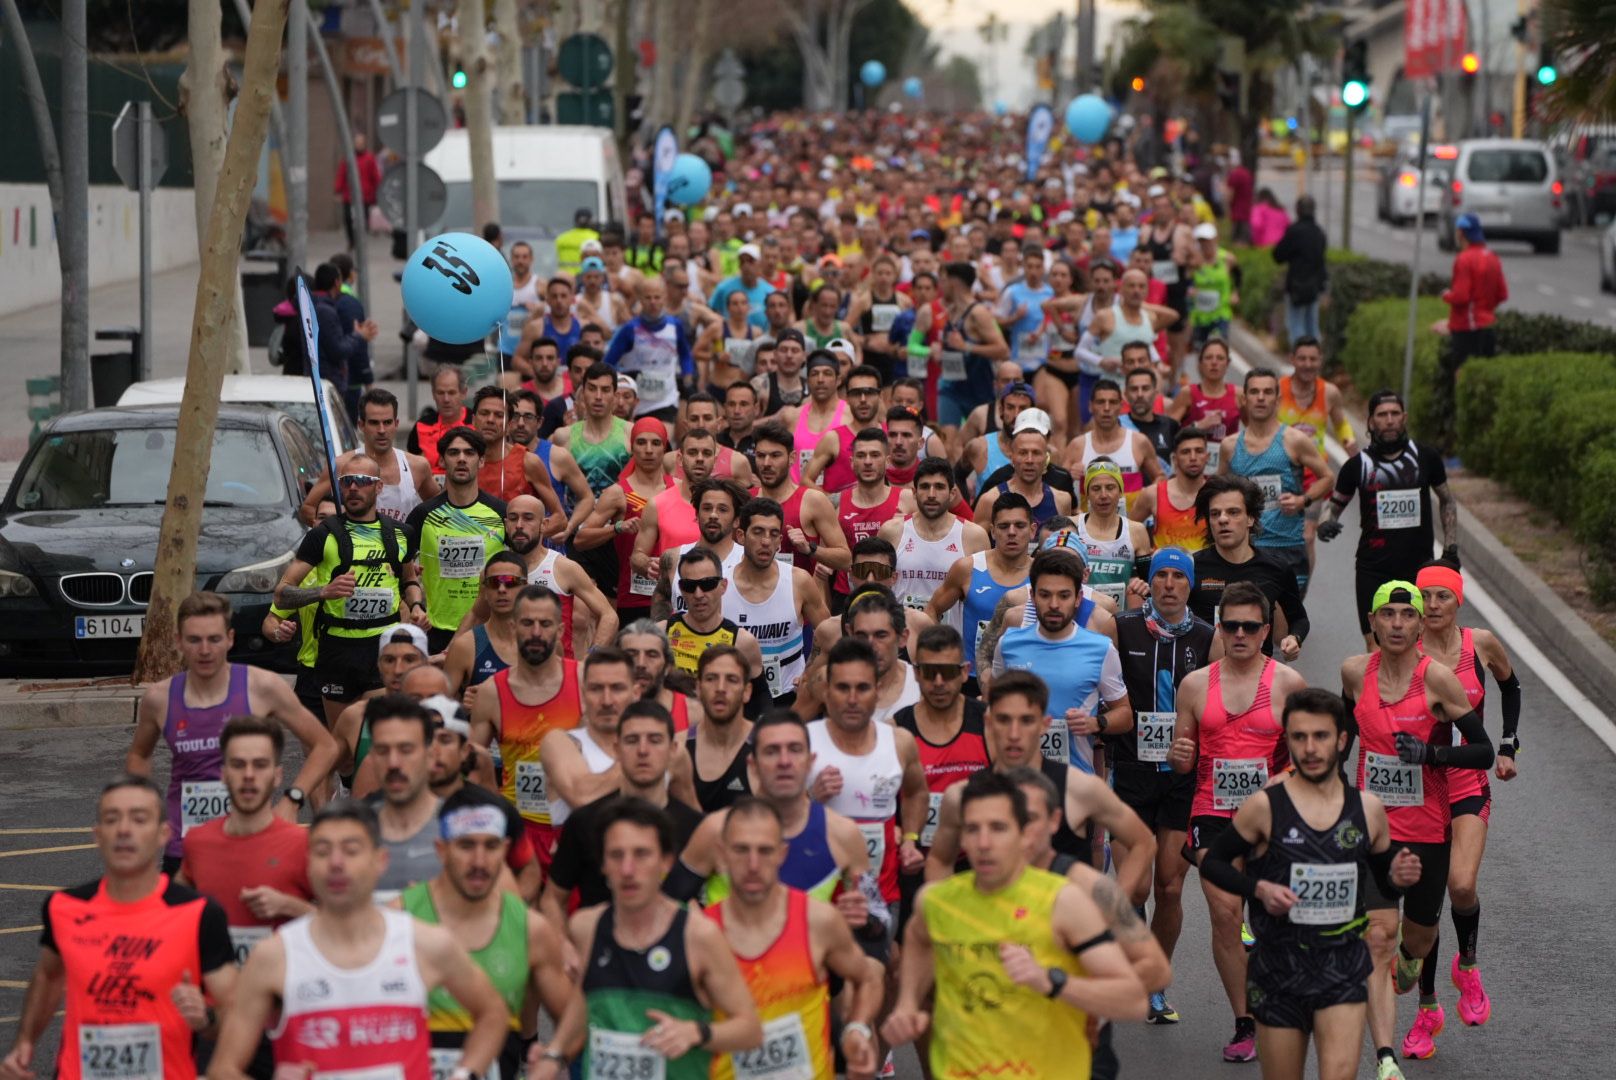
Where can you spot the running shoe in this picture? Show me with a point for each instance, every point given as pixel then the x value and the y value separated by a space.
pixel 1247 938
pixel 1475 1007
pixel 1243 1047
pixel 1388 1069
pixel 1406 971
pixel 1420 1042
pixel 1160 1011
pixel 889 1069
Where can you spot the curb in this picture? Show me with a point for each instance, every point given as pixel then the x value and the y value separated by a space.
pixel 1534 603
pixel 26 714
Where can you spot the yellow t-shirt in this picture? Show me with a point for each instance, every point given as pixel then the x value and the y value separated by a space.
pixel 983 1024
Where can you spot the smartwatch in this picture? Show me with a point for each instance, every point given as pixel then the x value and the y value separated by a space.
pixel 1057 982
pixel 295 796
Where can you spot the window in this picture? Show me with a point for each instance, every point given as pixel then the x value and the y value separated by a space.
pixel 86 470
pixel 1508 167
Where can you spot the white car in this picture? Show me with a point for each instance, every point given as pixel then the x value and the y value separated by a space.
pixel 292 394
pixel 1397 198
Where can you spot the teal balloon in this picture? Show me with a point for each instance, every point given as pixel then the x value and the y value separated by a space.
pixel 689 180
pixel 1000 108
pixel 873 73
pixel 457 287
pixel 1087 118
pixel 912 86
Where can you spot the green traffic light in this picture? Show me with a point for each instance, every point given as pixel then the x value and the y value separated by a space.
pixel 1546 75
pixel 459 80
pixel 1354 93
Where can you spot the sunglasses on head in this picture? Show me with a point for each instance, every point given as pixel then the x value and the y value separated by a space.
pixel 933 672
pixel 504 581
pixel 700 584
pixel 871 570
pixel 1242 626
pixel 358 480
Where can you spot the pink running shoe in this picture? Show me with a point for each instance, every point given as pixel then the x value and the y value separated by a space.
pixel 1420 1042
pixel 1243 1047
pixel 1475 1007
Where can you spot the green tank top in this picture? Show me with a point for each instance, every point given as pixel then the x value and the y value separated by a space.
pixel 620 985
pixel 1211 290
pixel 308 645
pixel 504 958
pixel 816 340
pixel 602 462
pixel 455 542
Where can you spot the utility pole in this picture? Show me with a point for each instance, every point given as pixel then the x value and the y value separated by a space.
pixel 412 195
pixel 1085 46
pixel 1346 184
pixel 296 150
pixel 73 231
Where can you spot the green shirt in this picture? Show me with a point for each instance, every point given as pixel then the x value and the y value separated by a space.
pixel 375 599
pixel 455 542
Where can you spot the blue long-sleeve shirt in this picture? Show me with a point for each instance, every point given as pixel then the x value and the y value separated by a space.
pixel 656 352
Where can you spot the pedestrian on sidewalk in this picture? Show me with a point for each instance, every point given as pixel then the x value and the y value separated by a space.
pixel 341 351
pixel 1473 296
pixel 351 313
pixel 370 178
pixel 1301 252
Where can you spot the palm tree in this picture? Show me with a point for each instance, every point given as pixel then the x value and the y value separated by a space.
pixel 1582 37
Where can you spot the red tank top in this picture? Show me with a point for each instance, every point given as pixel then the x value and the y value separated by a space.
pixel 946 764
pixel 1238 752
pixel 506 478
pixel 839 476
pixel 1416 797
pixel 1217 416
pixel 861 522
pixel 676 521
pixel 792 508
pixel 522 727
pixel 1175 527
pixel 427 436
pixel 1468 783
pixel 681 712
pixel 633 591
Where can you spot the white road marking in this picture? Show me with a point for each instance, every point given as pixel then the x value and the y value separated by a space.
pixel 1544 289
pixel 1582 301
pixel 1520 644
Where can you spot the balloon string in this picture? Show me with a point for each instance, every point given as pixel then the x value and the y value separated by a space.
pixel 496 359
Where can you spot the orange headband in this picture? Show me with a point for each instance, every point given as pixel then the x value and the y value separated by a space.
pixel 1442 577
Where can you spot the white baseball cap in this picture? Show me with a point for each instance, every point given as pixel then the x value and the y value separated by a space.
pixel 1032 420
pixel 843 346
pixel 749 250
pixel 1156 191
pixel 591 247
pixel 1206 231
pixel 390 635
pixel 626 382
pixel 742 208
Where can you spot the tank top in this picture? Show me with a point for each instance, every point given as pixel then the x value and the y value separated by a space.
pixel 981 599
pixel 1044 509
pixel 1416 796
pixel 810 863
pixel 996 458
pixel 945 764
pixel 1239 751
pixel 777 627
pixel 880 315
pixel 506 478
pixel 504 959
pixel 721 791
pixel 742 351
pixel 620 984
pixel 545 574
pixel 567 340
pixel 1313 420
pixel 354 1019
pixel 806 439
pixel 596 757
pixel 485 661
pixel 397 500
pixel 792 1001
pixel 634 591
pixel 1327 869
pixel 862 522
pixel 412 859
pixel 817 340
pixel 791 508
pixel 195 792
pixel 923 564
pixel 605 310
pixel 522 727
pixel 1110 561
pixel 908 694
pixel 602 462
pixel 1023 1033
pixel 688 643
pixel 968 367
pixel 1132 479
pixel 427 436
pixel 1213 288
pixel 1175 527
pixel 839 476
pixel 779 398
pixel 1152 669
pixel 1124 332
pixel 1218 417
pixel 1468 783
pixel 1274 473
pixel 676 520
pixel 869 795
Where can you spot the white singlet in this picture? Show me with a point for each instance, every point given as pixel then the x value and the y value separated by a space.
pixel 777 628
pixel 596 756
pixel 870 787
pixel 908 694
pixel 397 500
pixel 923 564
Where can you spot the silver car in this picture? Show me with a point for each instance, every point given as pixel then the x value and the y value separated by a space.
pixel 1513 188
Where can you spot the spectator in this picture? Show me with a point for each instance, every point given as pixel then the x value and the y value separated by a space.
pixel 341 351
pixel 370 178
pixel 352 313
pixel 1477 289
pixel 1301 250
pixel 1268 219
pixel 1237 185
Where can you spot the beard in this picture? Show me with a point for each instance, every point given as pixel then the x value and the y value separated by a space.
pixel 535 651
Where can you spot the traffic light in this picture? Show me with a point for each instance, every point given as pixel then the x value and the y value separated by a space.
pixel 1138 84
pixel 459 79
pixel 1470 63
pixel 1547 72
pixel 1355 77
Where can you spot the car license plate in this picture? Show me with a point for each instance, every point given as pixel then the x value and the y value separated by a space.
pixel 1493 219
pixel 108 626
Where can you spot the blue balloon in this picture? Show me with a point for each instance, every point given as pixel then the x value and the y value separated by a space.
pixel 457 287
pixel 1087 118
pixel 912 86
pixel 1000 108
pixel 689 180
pixel 873 73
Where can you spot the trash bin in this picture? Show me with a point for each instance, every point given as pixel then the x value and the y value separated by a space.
pixel 263 285
pixel 112 373
pixel 44 401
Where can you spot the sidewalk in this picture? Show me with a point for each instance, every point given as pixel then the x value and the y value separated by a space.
pixel 31 340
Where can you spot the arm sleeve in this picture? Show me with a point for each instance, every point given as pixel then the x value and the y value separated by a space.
pixel 213 947
pixel 617 348
pixel 1510 691
pixel 311 549
pixel 683 883
pixel 567 862
pixel 1477 753
pixel 1290 601
pixel 687 363
pixel 1346 481
pixel 1380 864
pixel 1217 865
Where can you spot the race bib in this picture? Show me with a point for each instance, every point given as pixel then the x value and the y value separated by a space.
pixel 1055 739
pixel 120 1052
pixel 882 317
pixel 976 647
pixel 1165 271
pixel 446 1059
pixel 1398 509
pixel 919 366
pixel 1214 454
pixel 1207 300
pixel 1396 782
pixel 640 585
pixel 532 790
pixel 953 365
pixel 369 603
pixel 243 938
pixel 875 842
pixel 934 813
pixel 803 458
pixel 784 1054
pixel 1234 780
pixel 1272 487
pixel 651 387
pixel 1109 577
pixel 617 1055
pixel 375 1072
pixel 1326 893
pixel 1154 735
pixel 200 802
pixel 772 675
pixel 460 557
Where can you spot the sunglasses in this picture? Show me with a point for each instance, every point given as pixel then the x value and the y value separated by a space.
pixel 1242 626
pixel 864 391
pixel 504 581
pixel 872 570
pixel 933 672
pixel 700 584
pixel 358 480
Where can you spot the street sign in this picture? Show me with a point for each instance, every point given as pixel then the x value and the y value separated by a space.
pixel 729 66
pixel 433 196
pixel 585 61
pixel 430 120
pixel 595 109
pixel 729 93
pixel 126 148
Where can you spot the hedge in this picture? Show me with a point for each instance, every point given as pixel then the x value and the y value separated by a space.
pixel 1354 280
pixel 1372 354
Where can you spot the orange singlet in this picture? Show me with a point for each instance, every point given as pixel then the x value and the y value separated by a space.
pixel 522 727
pixel 1175 527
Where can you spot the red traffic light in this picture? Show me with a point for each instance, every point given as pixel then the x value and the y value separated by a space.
pixel 1470 63
pixel 1138 84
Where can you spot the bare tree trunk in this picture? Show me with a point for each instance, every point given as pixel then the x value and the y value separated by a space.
pixel 623 75
pixel 479 119
pixel 205 93
pixel 175 572
pixel 818 79
pixel 666 30
pixel 696 56
pixel 511 97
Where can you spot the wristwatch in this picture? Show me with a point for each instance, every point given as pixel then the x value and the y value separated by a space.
pixel 858 1027
pixel 554 1055
pixel 1100 723
pixel 705 1031
pixel 1511 746
pixel 295 796
pixel 463 1073
pixel 1057 982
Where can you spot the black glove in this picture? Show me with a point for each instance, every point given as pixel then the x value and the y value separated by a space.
pixel 1412 751
pixel 1328 530
pixel 1451 554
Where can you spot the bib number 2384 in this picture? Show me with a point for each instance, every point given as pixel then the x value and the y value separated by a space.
pixel 1234 780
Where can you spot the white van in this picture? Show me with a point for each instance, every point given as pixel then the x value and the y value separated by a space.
pixel 546 175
